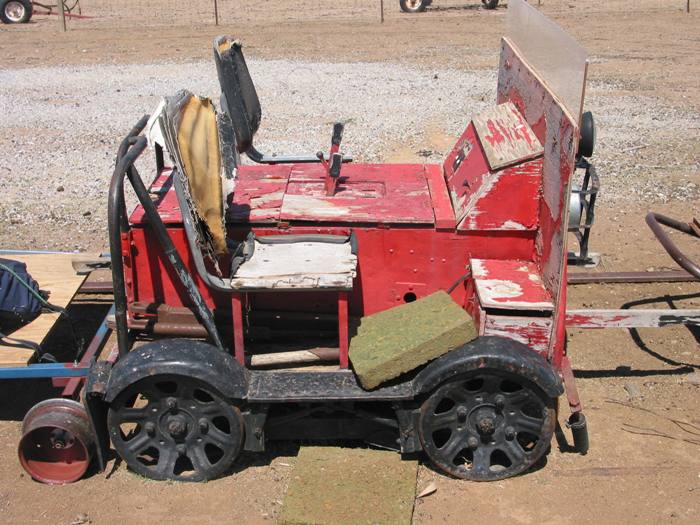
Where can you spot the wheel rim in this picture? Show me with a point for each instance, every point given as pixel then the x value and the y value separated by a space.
pixel 57 442
pixel 486 426
pixel 175 428
pixel 14 11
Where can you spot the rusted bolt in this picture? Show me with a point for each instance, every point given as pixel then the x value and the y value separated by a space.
pixel 462 414
pixel 509 433
pixel 203 425
pixel 150 428
pixel 171 403
pixel 499 401
pixel 473 442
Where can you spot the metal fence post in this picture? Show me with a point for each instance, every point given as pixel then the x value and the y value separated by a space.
pixel 381 8
pixel 62 17
pixel 216 12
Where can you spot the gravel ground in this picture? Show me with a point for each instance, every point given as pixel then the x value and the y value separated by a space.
pixel 61 128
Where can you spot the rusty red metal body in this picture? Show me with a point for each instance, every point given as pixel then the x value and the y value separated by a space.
pixel 496 206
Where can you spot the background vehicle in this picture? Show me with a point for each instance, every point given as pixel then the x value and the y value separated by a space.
pixel 418 6
pixel 16 11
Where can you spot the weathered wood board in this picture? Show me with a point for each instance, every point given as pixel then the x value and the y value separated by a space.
pixel 510 285
pixel 55 274
pixel 350 486
pixel 303 265
pixel 505 136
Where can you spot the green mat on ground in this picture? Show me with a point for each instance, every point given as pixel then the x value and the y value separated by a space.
pixel 395 341
pixel 350 486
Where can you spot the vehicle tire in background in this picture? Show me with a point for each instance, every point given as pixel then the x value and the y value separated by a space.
pixel 413 6
pixel 15 11
pixel 490 4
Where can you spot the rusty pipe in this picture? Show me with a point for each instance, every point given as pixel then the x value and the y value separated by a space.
pixel 655 221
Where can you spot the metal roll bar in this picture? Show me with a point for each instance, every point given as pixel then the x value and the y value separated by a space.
pixel 131 147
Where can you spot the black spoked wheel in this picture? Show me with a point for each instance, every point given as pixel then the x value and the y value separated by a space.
pixel 490 4
pixel 175 428
pixel 486 426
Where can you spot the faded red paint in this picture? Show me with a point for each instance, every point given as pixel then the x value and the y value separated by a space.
pixel 417 226
pixel 497 136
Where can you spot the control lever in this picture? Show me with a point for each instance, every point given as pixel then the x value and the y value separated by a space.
pixel 335 159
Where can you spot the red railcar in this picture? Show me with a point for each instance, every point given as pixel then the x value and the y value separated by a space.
pixel 231 278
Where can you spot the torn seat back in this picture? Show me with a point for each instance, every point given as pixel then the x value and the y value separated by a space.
pixel 238 96
pixel 193 140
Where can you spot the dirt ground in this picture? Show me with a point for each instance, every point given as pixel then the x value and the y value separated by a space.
pixel 641 391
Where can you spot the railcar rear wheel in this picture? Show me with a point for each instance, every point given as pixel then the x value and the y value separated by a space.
pixel 178 428
pixel 486 425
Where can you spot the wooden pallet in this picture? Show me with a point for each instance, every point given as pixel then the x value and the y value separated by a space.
pixel 55 274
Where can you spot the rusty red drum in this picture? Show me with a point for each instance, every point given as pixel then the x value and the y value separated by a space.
pixel 57 442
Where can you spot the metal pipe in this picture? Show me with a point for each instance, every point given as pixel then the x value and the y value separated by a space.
pixel 655 220
pixel 116 225
pixel 672 276
pixel 166 243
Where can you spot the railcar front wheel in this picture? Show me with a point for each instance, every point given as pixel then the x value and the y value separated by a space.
pixel 486 425
pixel 175 428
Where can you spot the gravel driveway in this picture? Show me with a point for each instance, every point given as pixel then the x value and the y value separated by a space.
pixel 61 127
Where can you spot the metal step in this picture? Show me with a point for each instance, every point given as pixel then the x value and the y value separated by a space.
pixel 334 385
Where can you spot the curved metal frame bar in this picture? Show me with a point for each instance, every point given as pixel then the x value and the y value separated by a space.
pixel 129 150
pixel 655 221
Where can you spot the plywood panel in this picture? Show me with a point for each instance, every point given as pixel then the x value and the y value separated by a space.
pixel 505 136
pixel 510 285
pixel 55 274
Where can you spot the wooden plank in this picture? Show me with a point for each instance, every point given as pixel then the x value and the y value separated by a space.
pixel 442 205
pixel 558 131
pixel 510 285
pixel 55 274
pixel 532 331
pixel 298 266
pixel 631 318
pixel 505 136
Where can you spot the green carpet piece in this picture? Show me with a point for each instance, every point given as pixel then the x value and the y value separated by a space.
pixel 395 341
pixel 350 486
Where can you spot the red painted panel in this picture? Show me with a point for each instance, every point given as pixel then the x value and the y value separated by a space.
pixel 513 285
pixel 465 169
pixel 509 200
pixel 366 193
pixel 442 205
pixel 258 193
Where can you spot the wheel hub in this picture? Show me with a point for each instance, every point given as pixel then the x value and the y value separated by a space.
pixel 14 11
pixel 485 423
pixel 177 426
